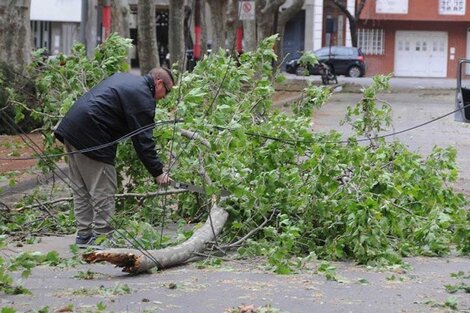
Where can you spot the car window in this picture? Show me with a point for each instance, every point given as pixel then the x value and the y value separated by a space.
pixel 338 51
pixel 343 51
pixel 335 51
pixel 322 52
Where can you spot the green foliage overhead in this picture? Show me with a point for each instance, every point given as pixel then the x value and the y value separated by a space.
pixel 314 194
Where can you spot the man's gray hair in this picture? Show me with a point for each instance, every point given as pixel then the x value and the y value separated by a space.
pixel 161 73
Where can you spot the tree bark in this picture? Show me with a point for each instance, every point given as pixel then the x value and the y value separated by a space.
pixel 218 11
pixel 15 32
pixel 188 38
pixel 147 36
pixel 120 18
pixel 267 25
pixel 265 10
pixel 120 12
pixel 135 261
pixel 176 34
pixel 249 34
pixel 232 24
pixel 91 36
pixel 203 28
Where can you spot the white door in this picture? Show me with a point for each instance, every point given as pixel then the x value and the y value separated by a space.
pixel 421 54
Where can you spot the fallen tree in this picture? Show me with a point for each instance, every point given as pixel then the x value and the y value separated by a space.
pixel 137 261
pixel 306 193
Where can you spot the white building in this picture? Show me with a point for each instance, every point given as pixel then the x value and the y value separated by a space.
pixel 55 24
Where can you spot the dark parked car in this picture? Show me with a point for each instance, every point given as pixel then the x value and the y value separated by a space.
pixel 347 61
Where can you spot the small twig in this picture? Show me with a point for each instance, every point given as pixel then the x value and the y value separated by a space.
pixel 402 208
pixel 55 201
pixel 150 194
pixel 241 240
pixel 43 207
pixel 7 208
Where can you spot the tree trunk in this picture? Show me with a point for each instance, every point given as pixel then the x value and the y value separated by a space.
pixel 134 261
pixel 15 32
pixel 232 24
pixel 176 34
pixel 218 10
pixel 203 28
pixel 265 11
pixel 188 38
pixel 91 35
pixel 249 35
pixel 147 36
pixel 120 18
pixel 120 12
pixel 353 30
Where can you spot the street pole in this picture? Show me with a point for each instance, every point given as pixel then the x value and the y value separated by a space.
pixel 106 18
pixel 197 30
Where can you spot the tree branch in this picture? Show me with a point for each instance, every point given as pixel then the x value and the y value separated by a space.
pixel 194 135
pixel 290 12
pixel 343 9
pixel 119 195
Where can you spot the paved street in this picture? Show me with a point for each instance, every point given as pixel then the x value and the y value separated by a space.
pixel 410 109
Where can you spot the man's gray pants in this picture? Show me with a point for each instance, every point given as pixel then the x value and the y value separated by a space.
pixel 94 185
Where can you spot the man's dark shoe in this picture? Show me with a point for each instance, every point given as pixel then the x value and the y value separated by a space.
pixel 84 242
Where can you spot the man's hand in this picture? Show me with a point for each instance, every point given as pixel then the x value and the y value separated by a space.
pixel 163 179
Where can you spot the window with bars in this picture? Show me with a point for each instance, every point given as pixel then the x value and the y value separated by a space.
pixel 455 7
pixel 371 41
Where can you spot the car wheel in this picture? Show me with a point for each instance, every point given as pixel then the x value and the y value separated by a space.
pixel 354 71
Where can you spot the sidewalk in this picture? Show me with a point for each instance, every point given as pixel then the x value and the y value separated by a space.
pixel 397 83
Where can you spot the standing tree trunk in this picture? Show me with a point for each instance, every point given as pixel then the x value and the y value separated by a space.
pixel 120 18
pixel 147 36
pixel 265 11
pixel 232 24
pixel 176 34
pixel 91 35
pixel 352 18
pixel 249 35
pixel 15 32
pixel 218 10
pixel 188 38
pixel 203 28
pixel 267 26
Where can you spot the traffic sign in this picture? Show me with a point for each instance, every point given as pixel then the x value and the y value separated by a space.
pixel 247 10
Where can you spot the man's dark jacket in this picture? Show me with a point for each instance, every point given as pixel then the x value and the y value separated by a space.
pixel 117 106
